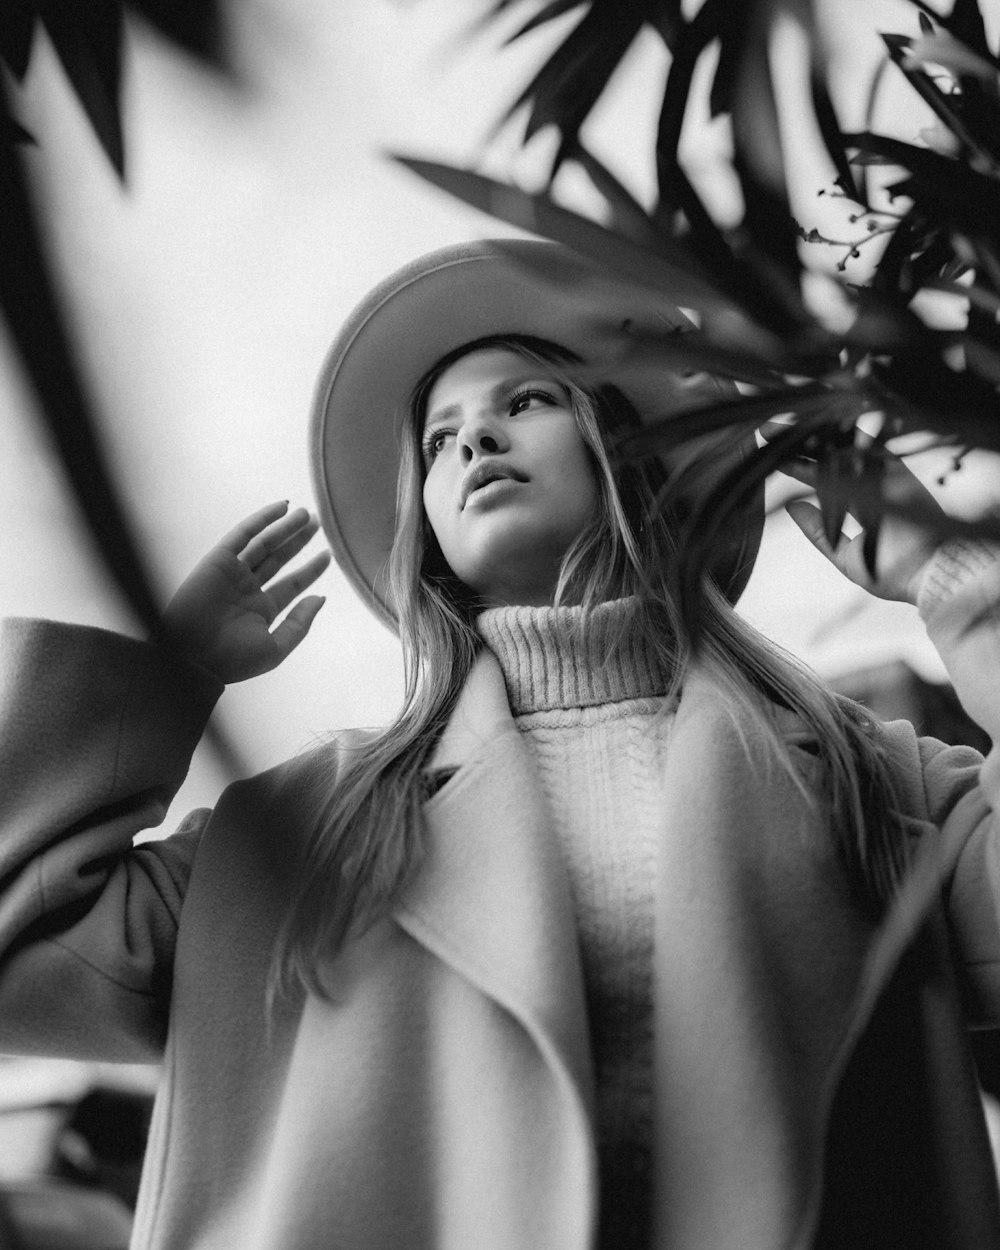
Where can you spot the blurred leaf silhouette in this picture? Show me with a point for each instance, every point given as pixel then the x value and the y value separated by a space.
pixel 87 36
pixel 934 210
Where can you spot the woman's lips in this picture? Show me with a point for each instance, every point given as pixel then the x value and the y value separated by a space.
pixel 485 474
pixel 489 490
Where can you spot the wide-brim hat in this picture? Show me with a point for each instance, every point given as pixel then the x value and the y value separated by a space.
pixel 435 305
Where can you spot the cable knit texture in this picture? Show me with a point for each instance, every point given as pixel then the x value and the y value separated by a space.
pixel 958 599
pixel 598 727
pixel 957 564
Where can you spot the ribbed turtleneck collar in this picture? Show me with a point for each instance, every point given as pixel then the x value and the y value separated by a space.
pixel 551 660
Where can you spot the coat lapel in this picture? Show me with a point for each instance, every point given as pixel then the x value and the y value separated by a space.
pixel 492 898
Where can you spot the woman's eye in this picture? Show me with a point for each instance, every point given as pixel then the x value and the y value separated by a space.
pixel 527 399
pixel 434 443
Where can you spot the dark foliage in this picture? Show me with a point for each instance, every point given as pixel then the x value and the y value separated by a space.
pixel 936 210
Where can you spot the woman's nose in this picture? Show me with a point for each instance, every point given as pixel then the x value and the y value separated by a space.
pixel 483 440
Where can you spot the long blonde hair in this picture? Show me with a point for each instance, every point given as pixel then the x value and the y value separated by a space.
pixel 368 842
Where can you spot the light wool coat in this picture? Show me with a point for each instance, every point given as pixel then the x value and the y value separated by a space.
pixel 443 1097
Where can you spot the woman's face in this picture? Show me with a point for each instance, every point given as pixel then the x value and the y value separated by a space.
pixel 509 480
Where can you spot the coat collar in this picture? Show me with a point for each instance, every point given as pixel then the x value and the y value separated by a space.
pixel 492 898
pixel 494 893
pixel 480 714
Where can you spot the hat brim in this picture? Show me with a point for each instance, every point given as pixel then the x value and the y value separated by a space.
pixel 409 322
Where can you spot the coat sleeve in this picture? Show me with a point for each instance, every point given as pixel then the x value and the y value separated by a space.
pixel 960 604
pixel 96 735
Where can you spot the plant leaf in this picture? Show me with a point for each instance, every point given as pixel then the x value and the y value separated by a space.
pixel 671 432
pixel 833 138
pixel 874 89
pixel 965 22
pixel 667 19
pixel 867 503
pixel 923 393
pixel 718 508
pixel 899 47
pixel 759 162
pixel 692 41
pixel 936 253
pixel 971 198
pixel 981 358
pixel 17 29
pixel 833 489
pixel 888 276
pixel 629 218
pixel 693 350
pixel 11 131
pixel 978 97
pixel 709 246
pixel 194 25
pixel 36 328
pixel 953 55
pixel 722 97
pixel 750 279
pixel 982 326
pixel 568 85
pixel 986 300
pixel 87 37
pixel 670 268
pixel 549 12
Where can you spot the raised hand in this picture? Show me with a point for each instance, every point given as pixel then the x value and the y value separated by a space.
pixel 913 527
pixel 222 616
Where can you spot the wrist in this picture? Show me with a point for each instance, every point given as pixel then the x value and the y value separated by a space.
pixel 953 566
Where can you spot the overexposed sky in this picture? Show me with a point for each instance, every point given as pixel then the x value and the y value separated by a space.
pixel 205 293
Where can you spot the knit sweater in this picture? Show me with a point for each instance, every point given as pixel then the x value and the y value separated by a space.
pixel 591 706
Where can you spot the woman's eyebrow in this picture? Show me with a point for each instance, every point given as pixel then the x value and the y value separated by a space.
pixel 497 394
pixel 442 414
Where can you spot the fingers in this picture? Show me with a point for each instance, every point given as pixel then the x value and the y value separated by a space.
pixel 809 519
pixel 260 547
pixel 287 588
pixel 271 550
pixel 270 537
pixel 287 636
pixel 247 529
pixel 267 540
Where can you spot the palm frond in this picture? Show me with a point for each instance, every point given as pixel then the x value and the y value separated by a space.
pixel 17 30
pixel 87 38
pixel 628 217
pixel 900 47
pixel 669 268
pixel 566 88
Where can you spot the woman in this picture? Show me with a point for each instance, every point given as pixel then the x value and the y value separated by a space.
pixel 600 943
